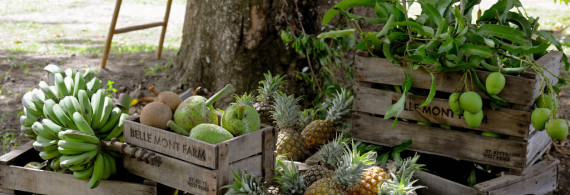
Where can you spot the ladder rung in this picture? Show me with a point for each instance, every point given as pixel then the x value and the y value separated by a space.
pixel 137 27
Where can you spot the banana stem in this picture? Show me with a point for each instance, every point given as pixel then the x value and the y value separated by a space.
pixel 172 125
pixel 241 109
pixel 134 152
pixel 151 88
pixel 218 95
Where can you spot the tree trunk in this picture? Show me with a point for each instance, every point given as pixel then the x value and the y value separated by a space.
pixel 229 41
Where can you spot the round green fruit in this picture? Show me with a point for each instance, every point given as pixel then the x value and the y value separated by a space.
pixel 495 83
pixel 471 102
pixel 241 123
pixel 549 101
pixel 539 117
pixel 473 120
pixel 557 129
pixel 194 111
pixel 454 103
pixel 489 134
pixel 210 133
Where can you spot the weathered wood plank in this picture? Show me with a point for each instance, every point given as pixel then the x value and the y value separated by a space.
pixel 539 179
pixel 437 185
pixel 380 70
pixel 455 144
pixel 252 165
pixel 269 140
pixel 177 174
pixel 300 165
pixel 538 143
pixel 502 120
pixel 246 145
pixel 172 144
pixel 223 171
pixel 13 155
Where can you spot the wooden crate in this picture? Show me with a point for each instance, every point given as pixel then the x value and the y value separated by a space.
pixel 541 178
pixel 196 166
pixel 521 149
pixel 14 177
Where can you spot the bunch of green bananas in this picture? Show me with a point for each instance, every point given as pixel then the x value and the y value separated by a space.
pixel 69 122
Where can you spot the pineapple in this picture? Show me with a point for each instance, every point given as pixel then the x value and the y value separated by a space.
pixel 401 182
pixel 328 162
pixel 320 132
pixel 289 179
pixel 269 87
pixel 245 184
pixel 373 177
pixel 306 117
pixel 289 140
pixel 346 175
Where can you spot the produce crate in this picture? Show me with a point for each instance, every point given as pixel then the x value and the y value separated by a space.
pixel 521 149
pixel 196 166
pixel 541 178
pixel 14 177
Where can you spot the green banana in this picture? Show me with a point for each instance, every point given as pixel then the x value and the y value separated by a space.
pixel 54 90
pixel 38 99
pixel 98 169
pixel 94 85
pixel 112 163
pixel 84 101
pixel 81 167
pixel 118 130
pixel 67 106
pixel 76 105
pixel 68 84
pixel 26 121
pixel 31 115
pixel 50 125
pixel 88 75
pixel 47 90
pixel 29 104
pixel 39 129
pixel 60 84
pixel 79 84
pixel 53 69
pixel 82 124
pixel 78 135
pixel 61 116
pixel 30 133
pixel 82 147
pixel 106 166
pixel 45 140
pixel 69 72
pixel 46 155
pixel 84 174
pixel 80 159
pixel 112 121
pixel 24 129
pixel 107 108
pixel 42 146
pixel 97 103
pixel 122 138
pixel 48 112
pixel 55 163
pixel 69 151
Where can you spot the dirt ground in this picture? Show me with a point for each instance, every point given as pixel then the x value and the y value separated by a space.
pixel 34 33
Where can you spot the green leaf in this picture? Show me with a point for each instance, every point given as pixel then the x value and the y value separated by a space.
pixel 525 49
pixel 414 25
pixel 550 38
pixel 471 49
pixel 432 90
pixel 521 22
pixel 335 33
pixel 446 46
pixel 503 32
pixel 432 13
pixel 396 109
pixel 501 7
pixel 403 146
pixel 367 19
pixel 469 5
pixel 347 4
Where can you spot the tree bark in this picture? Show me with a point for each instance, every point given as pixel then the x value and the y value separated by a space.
pixel 229 41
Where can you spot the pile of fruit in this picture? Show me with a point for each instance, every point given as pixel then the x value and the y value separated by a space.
pixel 343 169
pixel 69 121
pixel 197 118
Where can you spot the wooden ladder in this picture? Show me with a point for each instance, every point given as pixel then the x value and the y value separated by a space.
pixel 113 30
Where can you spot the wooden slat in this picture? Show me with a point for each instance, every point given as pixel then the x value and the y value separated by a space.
pixel 437 185
pixel 137 27
pixel 540 179
pixel 300 165
pixel 246 145
pixel 169 143
pixel 252 165
pixel 176 174
pixel 270 138
pixel 537 145
pixel 380 70
pixel 502 120
pixel 13 155
pixel 458 145
pixel 314 159
pixel 223 171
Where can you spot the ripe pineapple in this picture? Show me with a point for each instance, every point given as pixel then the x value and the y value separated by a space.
pixel 306 117
pixel 269 87
pixel 290 143
pixel 289 180
pixel 245 184
pixel 373 177
pixel 346 175
pixel 328 162
pixel 319 132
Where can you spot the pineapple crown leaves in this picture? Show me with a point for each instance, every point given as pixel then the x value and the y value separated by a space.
pixel 245 183
pixel 339 105
pixel 286 110
pixel 246 99
pixel 290 180
pixel 306 117
pixel 398 186
pixel 270 86
pixel 352 167
pixel 408 166
pixel 330 151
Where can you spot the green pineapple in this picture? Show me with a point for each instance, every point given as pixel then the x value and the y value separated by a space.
pixel 290 143
pixel 245 184
pixel 328 162
pixel 346 175
pixel 289 179
pixel 269 87
pixel 320 132
pixel 401 182
pixel 306 117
